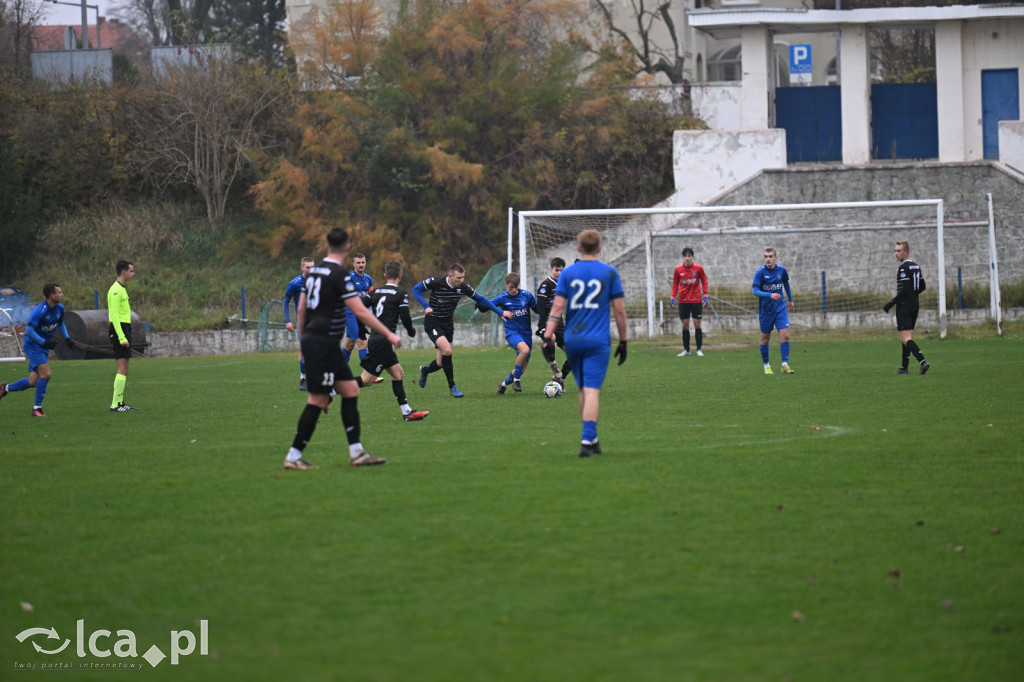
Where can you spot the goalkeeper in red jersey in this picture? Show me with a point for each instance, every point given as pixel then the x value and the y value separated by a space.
pixel 690 289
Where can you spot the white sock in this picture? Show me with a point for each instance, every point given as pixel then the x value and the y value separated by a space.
pixel 406 410
pixel 294 455
pixel 354 450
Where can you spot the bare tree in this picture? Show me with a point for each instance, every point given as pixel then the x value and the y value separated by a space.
pixel 640 38
pixel 168 22
pixel 203 123
pixel 18 21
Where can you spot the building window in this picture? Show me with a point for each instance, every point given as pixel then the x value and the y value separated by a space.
pixel 726 65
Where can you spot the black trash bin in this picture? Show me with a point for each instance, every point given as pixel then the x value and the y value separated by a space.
pixel 89 330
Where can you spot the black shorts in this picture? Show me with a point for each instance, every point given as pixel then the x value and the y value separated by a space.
pixel 435 330
pixel 688 310
pixel 559 333
pixel 121 352
pixel 380 355
pixel 905 319
pixel 325 365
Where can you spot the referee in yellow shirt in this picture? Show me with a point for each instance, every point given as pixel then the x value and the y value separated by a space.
pixel 120 313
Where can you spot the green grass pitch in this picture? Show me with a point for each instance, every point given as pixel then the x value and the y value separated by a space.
pixel 838 524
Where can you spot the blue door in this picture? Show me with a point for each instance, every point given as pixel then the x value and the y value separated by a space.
pixel 813 121
pixel 1000 92
pixel 904 121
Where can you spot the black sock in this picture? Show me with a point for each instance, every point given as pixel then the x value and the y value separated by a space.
pixel 433 366
pixel 700 338
pixel 686 339
pixel 548 351
pixel 566 368
pixel 307 424
pixel 906 356
pixel 359 381
pixel 398 388
pixel 350 418
pixel 912 348
pixel 449 369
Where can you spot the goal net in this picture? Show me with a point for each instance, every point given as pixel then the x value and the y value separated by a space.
pixel 839 257
pixel 10 345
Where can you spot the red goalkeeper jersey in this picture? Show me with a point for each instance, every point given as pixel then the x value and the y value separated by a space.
pixel 689 284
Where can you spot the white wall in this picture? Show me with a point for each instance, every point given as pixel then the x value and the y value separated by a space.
pixel 1011 144
pixel 707 162
pixel 988 45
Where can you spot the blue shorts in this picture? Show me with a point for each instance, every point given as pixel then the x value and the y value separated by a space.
pixel 351 325
pixel 779 320
pixel 515 338
pixel 589 363
pixel 36 355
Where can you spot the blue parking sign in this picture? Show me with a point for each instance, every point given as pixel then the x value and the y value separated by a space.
pixel 800 64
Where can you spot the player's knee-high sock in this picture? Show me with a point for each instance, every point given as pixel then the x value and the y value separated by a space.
pixel 700 337
pixel 566 368
pixel 517 372
pixel 906 355
pixel 398 388
pixel 359 381
pixel 549 353
pixel 911 348
pixel 433 366
pixel 302 367
pixel 784 348
pixel 362 353
pixel 346 353
pixel 306 427
pixel 19 385
pixel 686 339
pixel 119 381
pixel 41 391
pixel 510 378
pixel 350 418
pixel 449 369
pixel 589 432
pixel 764 353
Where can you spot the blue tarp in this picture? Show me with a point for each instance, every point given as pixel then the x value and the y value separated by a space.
pixel 16 303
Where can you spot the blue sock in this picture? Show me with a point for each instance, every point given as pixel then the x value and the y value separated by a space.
pixel 41 391
pixel 589 432
pixel 511 376
pixel 302 367
pixel 362 353
pixel 784 346
pixel 347 353
pixel 764 354
pixel 518 372
pixel 19 385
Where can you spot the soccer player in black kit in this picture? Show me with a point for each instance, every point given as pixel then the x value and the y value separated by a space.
pixel 545 297
pixel 389 304
pixel 439 323
pixel 327 293
pixel 909 283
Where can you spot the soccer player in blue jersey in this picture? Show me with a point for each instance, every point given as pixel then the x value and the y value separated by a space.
pixel 770 280
pixel 587 291
pixel 291 294
pixel 354 333
pixel 439 320
pixel 518 328
pixel 45 319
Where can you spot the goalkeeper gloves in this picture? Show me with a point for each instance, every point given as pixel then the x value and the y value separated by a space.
pixel 672 302
pixel 69 343
pixel 705 301
pixel 887 307
pixel 50 345
pixel 620 352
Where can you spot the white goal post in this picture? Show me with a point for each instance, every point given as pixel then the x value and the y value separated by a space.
pixel 10 345
pixel 831 241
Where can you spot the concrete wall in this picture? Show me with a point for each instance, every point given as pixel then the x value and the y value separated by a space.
pixel 63 65
pixel 1011 144
pixel 707 162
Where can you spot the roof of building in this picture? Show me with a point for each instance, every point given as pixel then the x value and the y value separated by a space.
pixel 114 35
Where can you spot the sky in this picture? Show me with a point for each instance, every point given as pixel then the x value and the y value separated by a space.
pixel 68 15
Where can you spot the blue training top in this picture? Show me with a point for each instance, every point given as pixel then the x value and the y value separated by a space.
pixel 768 282
pixel 42 323
pixel 292 294
pixel 588 287
pixel 520 306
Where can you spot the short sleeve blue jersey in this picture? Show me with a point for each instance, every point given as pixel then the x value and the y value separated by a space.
pixel 771 281
pixel 363 284
pixel 42 322
pixel 291 294
pixel 520 306
pixel 589 286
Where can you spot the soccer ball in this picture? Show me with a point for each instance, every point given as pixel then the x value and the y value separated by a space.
pixel 552 389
